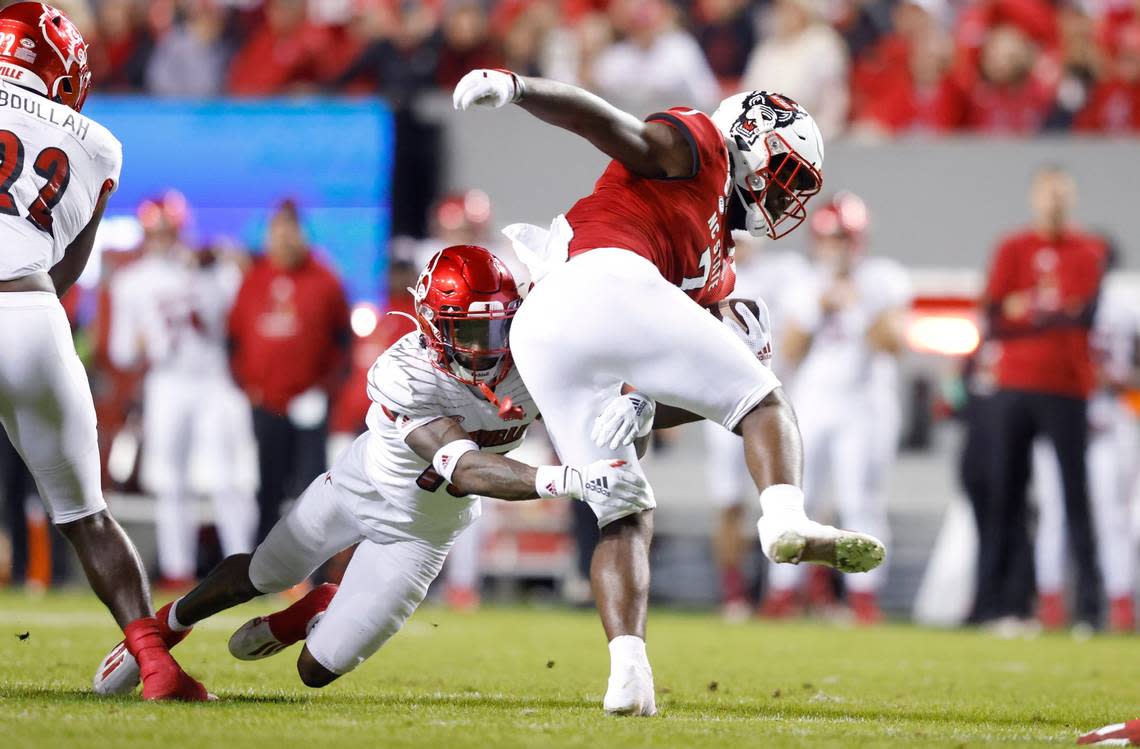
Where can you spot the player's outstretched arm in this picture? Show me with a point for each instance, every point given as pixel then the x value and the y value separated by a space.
pixel 650 149
pixel 610 489
pixel 66 272
pixel 474 471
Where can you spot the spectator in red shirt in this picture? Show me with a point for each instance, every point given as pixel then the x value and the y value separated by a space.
pixel 1039 302
pixel 1114 106
pixel 289 334
pixel 1013 89
pixel 284 52
pixel 901 84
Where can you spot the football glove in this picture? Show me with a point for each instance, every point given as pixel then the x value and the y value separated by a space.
pixel 610 489
pixel 487 88
pixel 623 420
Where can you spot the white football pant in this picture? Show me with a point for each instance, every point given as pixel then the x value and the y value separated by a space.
pixel 606 318
pixel 386 580
pixel 46 406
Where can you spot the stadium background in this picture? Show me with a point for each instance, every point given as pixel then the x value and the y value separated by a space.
pixel 344 107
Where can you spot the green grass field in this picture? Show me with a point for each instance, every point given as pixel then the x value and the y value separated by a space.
pixel 534 678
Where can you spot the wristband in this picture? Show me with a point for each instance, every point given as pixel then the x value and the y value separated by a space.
pixel 552 481
pixel 447 457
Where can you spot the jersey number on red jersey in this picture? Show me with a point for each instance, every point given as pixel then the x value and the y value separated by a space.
pixel 52 164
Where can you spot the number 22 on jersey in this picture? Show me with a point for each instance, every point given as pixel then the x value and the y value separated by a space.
pixel 51 164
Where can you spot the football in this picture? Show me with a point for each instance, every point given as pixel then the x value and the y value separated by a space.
pixel 726 308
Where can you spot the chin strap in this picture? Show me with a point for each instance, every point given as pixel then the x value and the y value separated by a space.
pixel 508 411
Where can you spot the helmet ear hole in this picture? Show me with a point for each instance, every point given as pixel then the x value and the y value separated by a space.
pixel 65 84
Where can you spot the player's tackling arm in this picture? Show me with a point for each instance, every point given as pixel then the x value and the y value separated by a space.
pixel 649 149
pixel 475 472
pixel 66 272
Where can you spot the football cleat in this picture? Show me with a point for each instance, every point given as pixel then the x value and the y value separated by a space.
pixel 815 543
pixel 254 640
pixel 630 691
pixel 118 672
pixel 1118 734
pixel 264 636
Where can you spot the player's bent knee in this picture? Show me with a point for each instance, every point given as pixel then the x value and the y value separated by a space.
pixel 313 674
pixel 775 405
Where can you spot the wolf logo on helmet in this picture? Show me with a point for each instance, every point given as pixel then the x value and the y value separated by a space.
pixel 761 113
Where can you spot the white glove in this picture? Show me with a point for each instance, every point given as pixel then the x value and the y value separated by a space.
pixel 487 88
pixel 623 420
pixel 611 490
pixel 756 332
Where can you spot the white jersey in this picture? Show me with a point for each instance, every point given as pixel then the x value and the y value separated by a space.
pixel 174 313
pixel 407 392
pixel 54 165
pixel 839 360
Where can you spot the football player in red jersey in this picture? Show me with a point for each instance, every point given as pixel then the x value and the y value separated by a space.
pixel 652 239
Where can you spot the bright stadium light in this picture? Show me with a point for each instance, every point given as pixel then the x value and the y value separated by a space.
pixel 364 319
pixel 949 335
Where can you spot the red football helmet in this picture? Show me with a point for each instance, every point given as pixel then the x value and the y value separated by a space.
pixel 168 211
pixel 844 216
pixel 465 301
pixel 42 50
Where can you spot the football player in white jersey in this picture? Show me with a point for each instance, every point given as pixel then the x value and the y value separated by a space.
pixel 1114 443
pixel 57 171
pixel 445 401
pixel 168 310
pixel 841 317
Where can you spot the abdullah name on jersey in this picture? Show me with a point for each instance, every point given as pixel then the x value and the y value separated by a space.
pixel 678 224
pixel 407 392
pixel 55 164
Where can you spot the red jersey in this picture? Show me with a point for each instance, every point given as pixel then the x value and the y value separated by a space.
pixel 288 328
pixel 678 223
pixel 1057 275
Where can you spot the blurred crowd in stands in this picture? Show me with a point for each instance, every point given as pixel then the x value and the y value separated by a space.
pixel 865 67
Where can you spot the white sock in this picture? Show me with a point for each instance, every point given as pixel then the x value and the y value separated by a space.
pixel 627 649
pixel 172 620
pixel 782 498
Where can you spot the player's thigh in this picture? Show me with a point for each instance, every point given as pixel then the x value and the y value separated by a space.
pixel 383 585
pixel 691 360
pixel 47 409
pixel 317 526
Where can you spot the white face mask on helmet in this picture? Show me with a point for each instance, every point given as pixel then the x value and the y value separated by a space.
pixel 777 159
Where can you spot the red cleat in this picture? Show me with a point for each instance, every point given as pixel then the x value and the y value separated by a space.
pixel 1051 611
pixel 118 672
pixel 1121 614
pixel 1118 734
pixel 162 677
pixel 865 606
pixel 781 604
pixel 264 636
